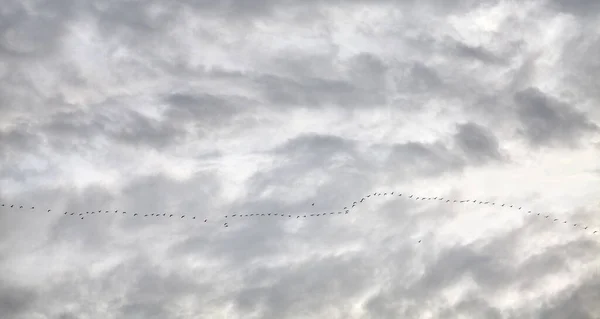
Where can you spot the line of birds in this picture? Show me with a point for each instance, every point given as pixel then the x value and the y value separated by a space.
pixel 82 215
pixel 344 211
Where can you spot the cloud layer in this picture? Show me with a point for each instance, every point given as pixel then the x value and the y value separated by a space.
pixel 209 109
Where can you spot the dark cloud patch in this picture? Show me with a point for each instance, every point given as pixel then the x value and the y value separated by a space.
pixel 17 140
pixel 33 31
pixel 369 72
pixel 138 17
pixel 473 307
pixel 315 92
pixel 70 129
pixel 15 300
pixel 477 53
pixel 141 130
pixel 67 315
pixel 315 145
pixel 419 78
pixel 547 121
pixel 209 112
pixel 588 8
pixel 477 142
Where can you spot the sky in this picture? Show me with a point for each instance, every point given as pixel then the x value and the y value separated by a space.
pixel 213 108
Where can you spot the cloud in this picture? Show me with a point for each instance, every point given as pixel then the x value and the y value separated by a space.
pixel 548 122
pixel 478 142
pixel 210 109
pixel 15 300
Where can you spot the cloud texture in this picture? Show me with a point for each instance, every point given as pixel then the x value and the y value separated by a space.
pixel 207 109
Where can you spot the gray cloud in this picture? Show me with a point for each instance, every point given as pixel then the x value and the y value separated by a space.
pixel 15 300
pixel 211 109
pixel 548 122
pixel 477 142
pixel 578 7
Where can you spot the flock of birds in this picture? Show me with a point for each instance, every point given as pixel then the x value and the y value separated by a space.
pixel 344 211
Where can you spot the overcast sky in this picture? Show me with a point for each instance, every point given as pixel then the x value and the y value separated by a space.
pixel 212 108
